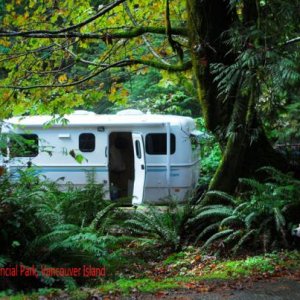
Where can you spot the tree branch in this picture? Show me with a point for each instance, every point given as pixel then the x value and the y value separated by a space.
pixel 70 28
pixel 174 44
pixel 130 33
pixel 134 22
pixel 176 68
pixel 84 61
pixel 54 71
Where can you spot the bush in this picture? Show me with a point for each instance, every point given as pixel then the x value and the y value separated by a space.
pixel 167 226
pixel 260 217
pixel 39 224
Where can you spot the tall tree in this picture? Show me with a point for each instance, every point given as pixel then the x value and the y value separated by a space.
pixel 235 48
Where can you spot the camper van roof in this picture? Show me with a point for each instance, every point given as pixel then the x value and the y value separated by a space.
pixel 86 119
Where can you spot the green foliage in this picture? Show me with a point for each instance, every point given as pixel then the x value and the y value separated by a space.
pixel 266 65
pixel 158 92
pixel 41 224
pixel 209 268
pixel 77 71
pixel 261 217
pixel 167 226
pixel 210 154
pixel 173 258
pixel 125 286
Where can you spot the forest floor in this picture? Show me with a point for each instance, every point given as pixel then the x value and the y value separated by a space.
pixel 282 288
pixel 285 286
pixel 190 275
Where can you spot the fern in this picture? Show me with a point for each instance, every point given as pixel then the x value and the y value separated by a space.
pixel 260 214
pixel 165 226
pixel 208 229
pixel 213 211
pixel 233 236
pixel 101 216
pixel 217 236
pixel 3 261
pixel 243 239
pixel 240 207
pixel 230 220
pixel 254 184
pixel 250 219
pixel 223 195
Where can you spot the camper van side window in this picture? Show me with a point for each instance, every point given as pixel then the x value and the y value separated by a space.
pixel 86 142
pixel 156 143
pixel 24 145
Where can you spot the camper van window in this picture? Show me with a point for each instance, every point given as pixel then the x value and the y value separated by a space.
pixel 24 145
pixel 156 143
pixel 86 142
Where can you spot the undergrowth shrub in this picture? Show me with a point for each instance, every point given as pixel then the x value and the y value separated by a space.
pixel 261 218
pixel 40 224
pixel 210 153
pixel 166 226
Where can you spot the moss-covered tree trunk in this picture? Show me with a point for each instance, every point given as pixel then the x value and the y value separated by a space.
pixel 233 120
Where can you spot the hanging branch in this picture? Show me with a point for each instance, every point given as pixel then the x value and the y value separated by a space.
pixel 176 47
pixel 119 64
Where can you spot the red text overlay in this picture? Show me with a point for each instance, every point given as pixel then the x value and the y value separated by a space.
pixel 45 271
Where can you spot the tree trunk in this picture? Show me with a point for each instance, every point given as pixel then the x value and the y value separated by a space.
pixel 232 120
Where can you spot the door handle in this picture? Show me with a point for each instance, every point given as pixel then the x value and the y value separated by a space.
pixel 142 167
pixel 106 151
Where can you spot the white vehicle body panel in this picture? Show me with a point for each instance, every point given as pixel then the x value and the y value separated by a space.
pixel 150 178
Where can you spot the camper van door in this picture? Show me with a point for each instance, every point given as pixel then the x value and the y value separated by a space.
pixel 139 168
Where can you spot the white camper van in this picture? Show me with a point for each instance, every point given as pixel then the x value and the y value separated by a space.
pixel 145 157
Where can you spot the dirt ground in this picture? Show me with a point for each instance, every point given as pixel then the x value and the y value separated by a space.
pixel 275 289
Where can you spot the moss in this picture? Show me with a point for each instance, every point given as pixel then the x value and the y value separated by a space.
pixel 125 286
pixel 79 295
pixel 146 285
pixel 264 264
pixel 173 258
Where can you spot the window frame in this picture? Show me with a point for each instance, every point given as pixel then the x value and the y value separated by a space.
pixel 85 150
pixel 172 143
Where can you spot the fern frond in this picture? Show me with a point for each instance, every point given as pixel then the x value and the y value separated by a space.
pixel 243 239
pixel 208 229
pixel 102 214
pixel 254 184
pixel 232 236
pixel 223 195
pixel 230 220
pixel 217 236
pixel 3 261
pixel 162 225
pixel 240 207
pixel 138 226
pixel 218 211
pixel 250 218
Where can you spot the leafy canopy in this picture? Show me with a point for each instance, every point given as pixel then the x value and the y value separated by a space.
pixel 64 52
